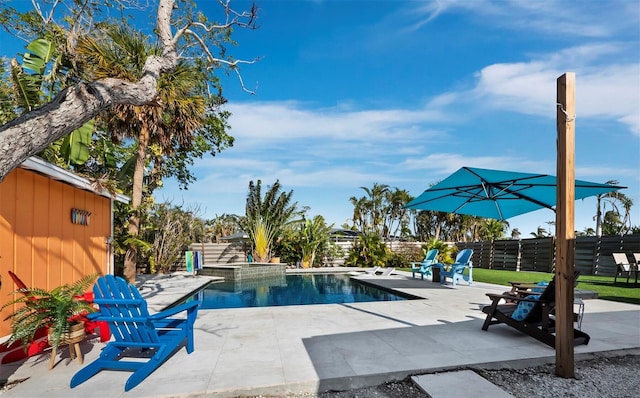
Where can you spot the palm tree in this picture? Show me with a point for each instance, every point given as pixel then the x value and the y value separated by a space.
pixel 375 206
pixel 614 198
pixel 359 216
pixel 540 233
pixel 169 125
pixel 493 229
pixel 223 225
pixel 396 212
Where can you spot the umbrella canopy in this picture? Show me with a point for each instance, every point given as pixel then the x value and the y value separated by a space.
pixel 498 194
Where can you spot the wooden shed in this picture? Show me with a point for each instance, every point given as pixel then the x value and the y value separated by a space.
pixel 54 229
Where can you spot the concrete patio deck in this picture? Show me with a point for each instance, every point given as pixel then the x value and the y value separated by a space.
pixel 298 349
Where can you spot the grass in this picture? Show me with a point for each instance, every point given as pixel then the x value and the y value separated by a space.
pixel 607 290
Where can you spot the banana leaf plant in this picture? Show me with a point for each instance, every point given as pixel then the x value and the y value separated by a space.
pixel 34 86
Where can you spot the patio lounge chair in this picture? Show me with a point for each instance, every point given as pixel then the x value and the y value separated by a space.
pixel 531 314
pixel 524 289
pixel 425 266
pixel 138 334
pixel 372 271
pixel 456 271
pixel 623 266
pixel 388 271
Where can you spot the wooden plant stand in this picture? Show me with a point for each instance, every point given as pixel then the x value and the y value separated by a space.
pixel 75 336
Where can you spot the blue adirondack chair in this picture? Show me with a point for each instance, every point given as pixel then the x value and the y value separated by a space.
pixel 137 333
pixel 424 268
pixel 456 271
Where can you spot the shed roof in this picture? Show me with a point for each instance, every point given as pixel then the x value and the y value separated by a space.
pixel 58 173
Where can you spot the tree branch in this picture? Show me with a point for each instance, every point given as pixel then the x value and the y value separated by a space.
pixel 32 132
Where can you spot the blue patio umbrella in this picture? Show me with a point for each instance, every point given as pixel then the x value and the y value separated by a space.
pixel 498 194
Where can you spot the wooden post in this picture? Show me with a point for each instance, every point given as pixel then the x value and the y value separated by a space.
pixel 565 233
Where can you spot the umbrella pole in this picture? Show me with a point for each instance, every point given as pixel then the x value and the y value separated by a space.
pixel 565 230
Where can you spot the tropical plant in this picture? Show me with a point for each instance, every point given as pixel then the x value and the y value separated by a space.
pixel 54 309
pixel 446 252
pixel 262 235
pixel 406 253
pixel 314 234
pixel 34 83
pixel 330 252
pixel 169 239
pixel 288 247
pixel 368 250
pixel 266 218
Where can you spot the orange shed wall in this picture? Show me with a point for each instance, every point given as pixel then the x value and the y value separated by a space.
pixel 39 243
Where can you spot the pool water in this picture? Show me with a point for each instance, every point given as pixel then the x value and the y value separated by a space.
pixel 290 290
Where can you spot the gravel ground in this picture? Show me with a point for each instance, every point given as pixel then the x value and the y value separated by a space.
pixel 605 377
pixel 615 377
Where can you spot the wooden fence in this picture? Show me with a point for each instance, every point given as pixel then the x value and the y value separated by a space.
pixel 592 255
pixel 221 253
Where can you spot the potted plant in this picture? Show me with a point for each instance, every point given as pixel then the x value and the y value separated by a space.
pixel 57 309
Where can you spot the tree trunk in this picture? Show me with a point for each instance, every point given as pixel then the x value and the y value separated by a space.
pixel 130 259
pixel 599 219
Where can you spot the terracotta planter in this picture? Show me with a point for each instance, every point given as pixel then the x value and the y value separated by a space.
pixel 275 260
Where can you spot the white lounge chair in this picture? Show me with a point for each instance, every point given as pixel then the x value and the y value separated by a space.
pixel 372 271
pixel 623 266
pixel 388 271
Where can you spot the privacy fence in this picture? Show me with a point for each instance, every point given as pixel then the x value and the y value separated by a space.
pixel 592 254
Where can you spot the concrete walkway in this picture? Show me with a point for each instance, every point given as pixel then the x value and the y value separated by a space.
pixel 301 349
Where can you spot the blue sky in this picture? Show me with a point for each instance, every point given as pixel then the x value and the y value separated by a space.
pixel 403 93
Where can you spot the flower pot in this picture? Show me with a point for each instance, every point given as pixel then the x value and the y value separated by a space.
pixel 275 260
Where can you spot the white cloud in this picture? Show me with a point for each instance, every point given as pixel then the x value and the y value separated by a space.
pixel 446 163
pixel 609 91
pixel 574 19
pixel 284 121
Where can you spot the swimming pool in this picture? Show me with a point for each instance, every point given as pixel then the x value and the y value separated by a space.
pixel 290 290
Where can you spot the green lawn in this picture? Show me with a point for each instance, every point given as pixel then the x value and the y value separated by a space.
pixel 607 290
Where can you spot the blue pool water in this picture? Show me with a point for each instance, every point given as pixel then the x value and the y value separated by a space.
pixel 290 290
